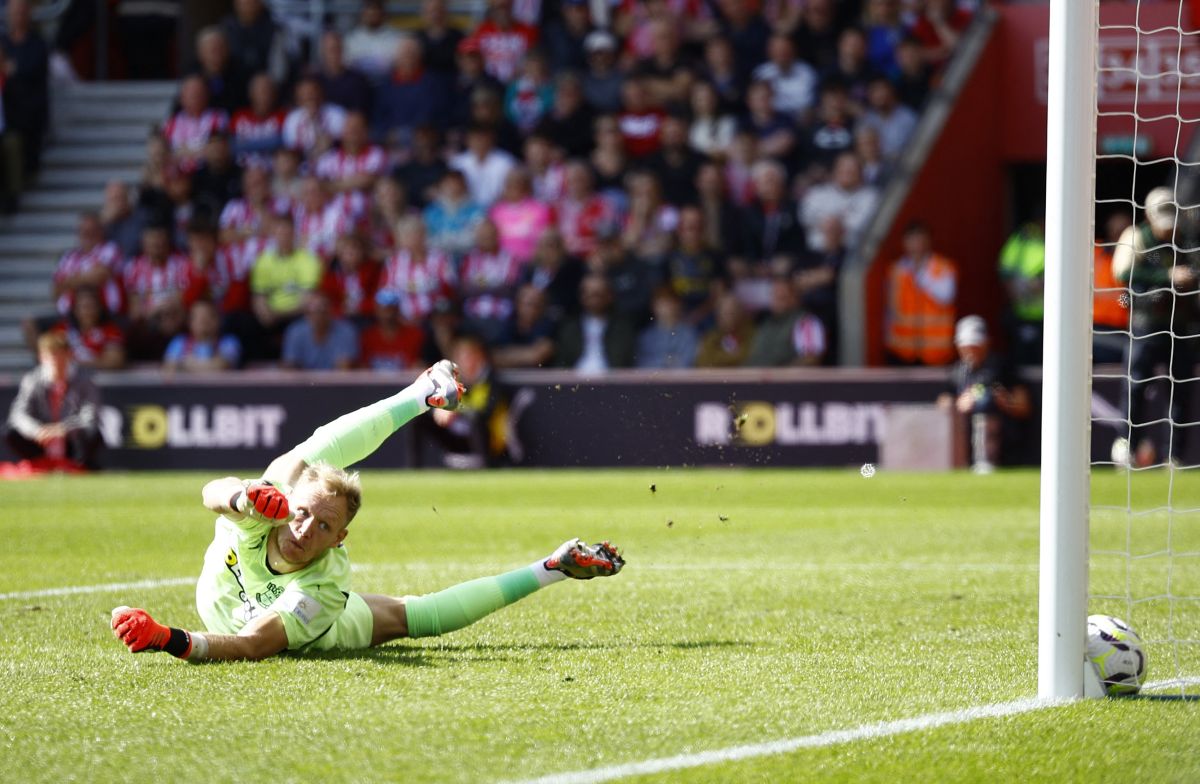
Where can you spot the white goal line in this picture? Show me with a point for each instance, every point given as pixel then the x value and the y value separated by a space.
pixel 875 731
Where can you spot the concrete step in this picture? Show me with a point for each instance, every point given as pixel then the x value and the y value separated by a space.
pixel 93 156
pixel 59 222
pixel 101 134
pixel 62 178
pixel 10 336
pixel 13 312
pixel 126 91
pixel 15 360
pixel 111 112
pixel 25 244
pixel 61 201
pixel 40 268
pixel 26 290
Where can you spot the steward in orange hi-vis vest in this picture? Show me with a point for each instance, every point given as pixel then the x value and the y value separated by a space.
pixel 921 289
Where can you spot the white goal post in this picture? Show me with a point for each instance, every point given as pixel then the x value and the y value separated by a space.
pixel 1067 372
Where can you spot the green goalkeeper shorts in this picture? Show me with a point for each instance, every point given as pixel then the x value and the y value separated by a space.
pixel 351 631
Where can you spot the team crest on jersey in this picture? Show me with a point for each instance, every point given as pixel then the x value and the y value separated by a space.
pixel 266 598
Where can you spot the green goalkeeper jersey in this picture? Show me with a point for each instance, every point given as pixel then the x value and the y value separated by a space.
pixel 236 585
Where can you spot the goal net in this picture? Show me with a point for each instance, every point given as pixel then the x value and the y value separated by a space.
pixel 1144 535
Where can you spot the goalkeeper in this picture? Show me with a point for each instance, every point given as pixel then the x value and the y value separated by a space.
pixel 276 576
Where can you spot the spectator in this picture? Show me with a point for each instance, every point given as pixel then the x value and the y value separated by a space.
pixel 884 30
pixel 774 131
pixel 249 214
pixel 519 217
pixel 530 95
pixel 1023 272
pixel 371 46
pixel 817 34
pixel 56 413
pixel 342 85
pixel 286 180
pixel 609 160
pixel 388 205
pixel 555 273
pixel 419 276
pixel 600 338
pixel 158 167
pixel 412 97
pixel 852 70
pixel 937 28
pixel 217 180
pixel 26 92
pixel 721 71
pixel 912 74
pixel 12 166
pixel 95 339
pixel 669 341
pixel 487 108
pixel 257 43
pixel 156 277
pixel 1110 303
pixel 602 81
pixel 280 280
pixel 318 341
pixel 351 280
pixel 894 121
pixel 226 84
pixel 788 335
pixel 631 280
pixel 439 39
pixel 503 40
pixel 122 226
pixel 187 131
pixel 845 197
pixel 569 122
pixel 640 121
pixel 693 269
pixel 727 344
pixel 816 281
pixel 314 125
pixel 391 343
pixel 220 273
pixel 529 340
pixel 986 389
pixel 793 82
pixel 742 24
pixel 1164 307
pixel 451 219
pixel 93 263
pixel 712 131
pixel 667 77
pixel 582 213
pixel 488 277
pixel 770 229
pixel 875 170
pixel 321 219
pixel 566 37
pixel 546 173
pixel 675 164
pixel 258 128
pixel 470 80
pixel 423 171
pixel 355 164
pixel 203 348
pixel 485 167
pixel 831 132
pixel 922 285
pixel 721 218
pixel 650 222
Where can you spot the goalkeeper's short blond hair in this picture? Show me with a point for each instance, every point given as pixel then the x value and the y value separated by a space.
pixel 335 481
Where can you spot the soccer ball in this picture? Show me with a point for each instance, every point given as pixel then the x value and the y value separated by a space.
pixel 1115 650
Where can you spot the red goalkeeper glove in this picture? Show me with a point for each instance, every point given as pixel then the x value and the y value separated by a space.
pixel 140 632
pixel 264 502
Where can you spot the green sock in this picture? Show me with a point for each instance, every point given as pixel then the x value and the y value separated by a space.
pixel 351 437
pixel 461 605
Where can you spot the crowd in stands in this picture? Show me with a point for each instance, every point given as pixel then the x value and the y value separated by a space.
pixel 674 186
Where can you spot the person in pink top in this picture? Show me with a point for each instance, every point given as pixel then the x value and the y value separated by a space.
pixel 520 217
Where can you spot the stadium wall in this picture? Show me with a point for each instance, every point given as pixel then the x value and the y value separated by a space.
pixel 802 417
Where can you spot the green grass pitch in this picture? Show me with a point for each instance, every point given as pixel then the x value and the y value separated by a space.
pixel 756 605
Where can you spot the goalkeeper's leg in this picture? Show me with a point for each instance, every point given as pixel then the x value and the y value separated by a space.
pixel 461 605
pixel 353 436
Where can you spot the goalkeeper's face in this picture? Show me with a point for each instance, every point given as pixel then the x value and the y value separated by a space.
pixel 320 523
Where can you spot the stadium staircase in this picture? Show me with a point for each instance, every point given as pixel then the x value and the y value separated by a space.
pixel 98 133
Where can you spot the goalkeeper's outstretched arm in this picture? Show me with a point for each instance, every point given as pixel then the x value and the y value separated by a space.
pixel 262 637
pixel 353 436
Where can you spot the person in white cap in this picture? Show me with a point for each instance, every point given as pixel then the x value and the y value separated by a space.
pixel 1164 326
pixel 985 388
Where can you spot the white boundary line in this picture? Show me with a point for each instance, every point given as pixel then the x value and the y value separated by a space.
pixel 875 731
pixel 71 590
